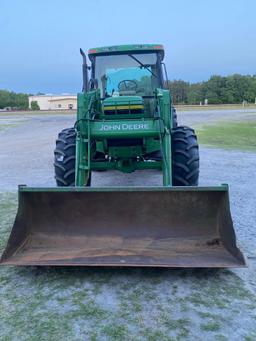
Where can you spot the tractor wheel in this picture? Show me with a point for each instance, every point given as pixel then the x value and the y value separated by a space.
pixel 185 157
pixel 65 158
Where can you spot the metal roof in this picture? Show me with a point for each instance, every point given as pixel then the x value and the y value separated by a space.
pixel 126 48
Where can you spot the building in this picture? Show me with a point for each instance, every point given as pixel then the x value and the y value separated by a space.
pixel 54 102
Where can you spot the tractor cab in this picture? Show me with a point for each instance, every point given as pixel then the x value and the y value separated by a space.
pixel 127 77
pixel 129 70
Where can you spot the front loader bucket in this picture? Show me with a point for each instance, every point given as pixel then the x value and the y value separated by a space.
pixel 154 227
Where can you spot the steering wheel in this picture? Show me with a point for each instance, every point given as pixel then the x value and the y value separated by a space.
pixel 127 85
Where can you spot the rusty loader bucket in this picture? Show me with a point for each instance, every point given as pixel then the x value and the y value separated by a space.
pixel 153 227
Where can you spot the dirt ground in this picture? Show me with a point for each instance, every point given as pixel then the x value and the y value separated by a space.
pixel 126 304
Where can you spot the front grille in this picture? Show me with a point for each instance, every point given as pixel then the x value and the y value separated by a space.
pixel 118 111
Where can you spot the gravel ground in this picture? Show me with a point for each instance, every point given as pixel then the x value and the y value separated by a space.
pixel 126 304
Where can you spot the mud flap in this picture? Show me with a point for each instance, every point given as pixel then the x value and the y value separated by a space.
pixel 144 227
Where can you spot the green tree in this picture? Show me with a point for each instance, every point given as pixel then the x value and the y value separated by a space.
pixel 21 101
pixel 218 90
pixel 4 99
pixel 14 100
pixel 196 93
pixel 34 105
pixel 179 91
pixel 214 89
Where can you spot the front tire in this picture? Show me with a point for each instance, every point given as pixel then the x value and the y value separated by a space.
pixel 185 157
pixel 65 158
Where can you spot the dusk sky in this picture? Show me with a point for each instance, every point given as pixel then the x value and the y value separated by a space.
pixel 40 40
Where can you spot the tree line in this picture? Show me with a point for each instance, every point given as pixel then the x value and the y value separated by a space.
pixel 19 101
pixel 217 90
pixel 13 100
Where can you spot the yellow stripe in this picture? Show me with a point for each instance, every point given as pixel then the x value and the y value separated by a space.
pixel 120 107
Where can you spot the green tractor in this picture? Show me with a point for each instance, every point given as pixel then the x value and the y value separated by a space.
pixel 125 121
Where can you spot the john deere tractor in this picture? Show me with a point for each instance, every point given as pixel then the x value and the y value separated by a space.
pixel 126 121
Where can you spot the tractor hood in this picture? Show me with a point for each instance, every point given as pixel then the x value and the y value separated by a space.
pixel 123 104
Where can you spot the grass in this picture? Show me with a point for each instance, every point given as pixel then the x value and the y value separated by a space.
pixel 187 107
pixel 211 326
pixel 233 135
pixel 6 126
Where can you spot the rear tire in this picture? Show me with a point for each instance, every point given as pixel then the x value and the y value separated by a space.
pixel 65 158
pixel 185 157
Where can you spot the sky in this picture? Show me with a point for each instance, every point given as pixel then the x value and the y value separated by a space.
pixel 40 40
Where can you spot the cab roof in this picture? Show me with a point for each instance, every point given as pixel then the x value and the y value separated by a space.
pixel 117 49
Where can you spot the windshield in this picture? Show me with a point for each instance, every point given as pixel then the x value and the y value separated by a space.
pixel 134 74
